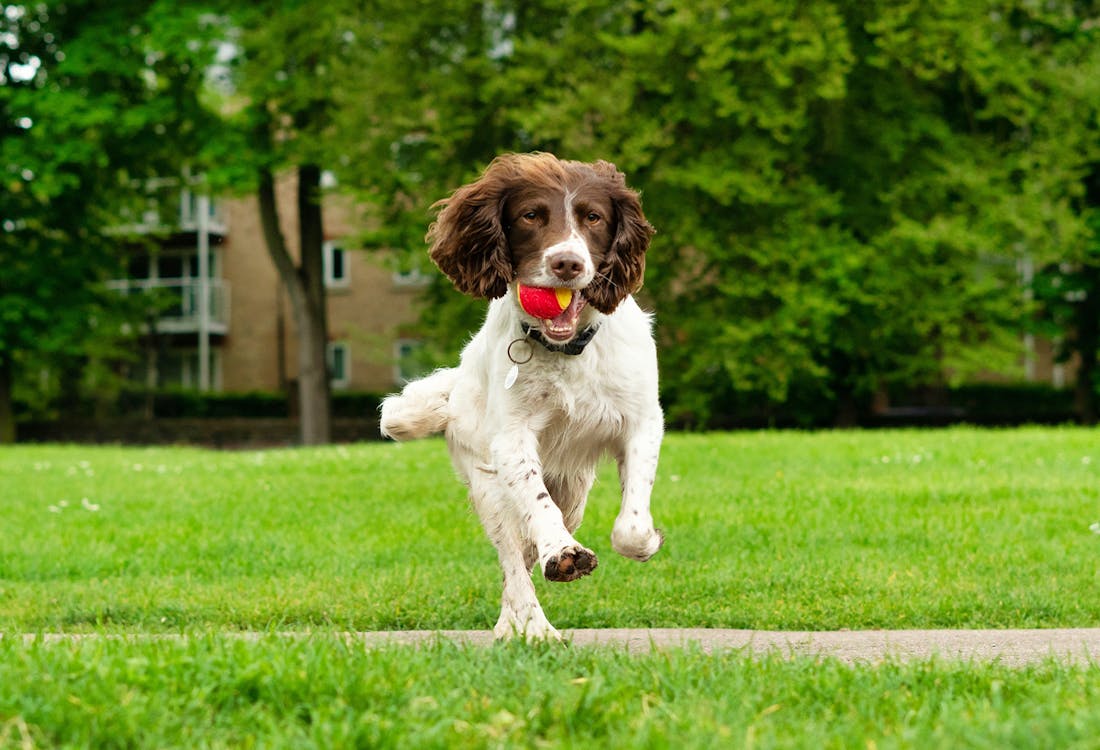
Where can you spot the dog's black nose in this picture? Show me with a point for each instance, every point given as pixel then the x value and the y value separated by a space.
pixel 566 265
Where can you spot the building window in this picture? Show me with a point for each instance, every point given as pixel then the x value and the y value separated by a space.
pixel 176 368
pixel 189 213
pixel 411 278
pixel 408 362
pixel 337 273
pixel 339 364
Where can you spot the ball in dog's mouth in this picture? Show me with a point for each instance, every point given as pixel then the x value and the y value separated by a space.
pixel 557 309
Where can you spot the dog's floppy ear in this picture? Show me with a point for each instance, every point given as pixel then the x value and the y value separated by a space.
pixel 468 240
pixel 623 268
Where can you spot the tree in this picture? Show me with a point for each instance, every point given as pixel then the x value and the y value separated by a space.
pixel 89 108
pixel 842 190
pixel 426 104
pixel 278 118
pixel 857 181
pixel 1067 288
pixel 1068 294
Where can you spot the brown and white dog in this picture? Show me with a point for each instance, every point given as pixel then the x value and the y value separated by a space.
pixel 535 402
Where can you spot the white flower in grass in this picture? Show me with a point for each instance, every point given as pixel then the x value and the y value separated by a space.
pixel 54 509
pixel 1086 460
pixel 1095 528
pixel 88 505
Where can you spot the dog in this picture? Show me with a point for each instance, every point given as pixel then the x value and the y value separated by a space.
pixel 535 402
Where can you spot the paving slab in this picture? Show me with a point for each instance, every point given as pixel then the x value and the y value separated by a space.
pixel 1010 647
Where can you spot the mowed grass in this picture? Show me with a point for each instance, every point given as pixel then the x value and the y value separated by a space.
pixel 893 529
pixel 320 692
pixel 899 529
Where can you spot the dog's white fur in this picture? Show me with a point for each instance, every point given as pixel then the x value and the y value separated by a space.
pixel 525 425
pixel 547 430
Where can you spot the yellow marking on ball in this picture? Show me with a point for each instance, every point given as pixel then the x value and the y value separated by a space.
pixel 565 296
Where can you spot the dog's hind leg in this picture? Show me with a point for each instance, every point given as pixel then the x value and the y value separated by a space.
pixel 570 494
pixel 421 409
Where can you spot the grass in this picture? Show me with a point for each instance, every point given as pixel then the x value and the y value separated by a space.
pixel 899 529
pixel 321 693
pixel 956 528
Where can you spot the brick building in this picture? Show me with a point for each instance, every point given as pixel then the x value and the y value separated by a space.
pixel 247 335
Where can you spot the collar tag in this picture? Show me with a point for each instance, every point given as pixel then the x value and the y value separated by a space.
pixel 517 360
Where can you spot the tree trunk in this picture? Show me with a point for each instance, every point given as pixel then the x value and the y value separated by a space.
pixel 305 286
pixel 847 409
pixel 7 413
pixel 1088 344
pixel 313 379
pixel 1085 394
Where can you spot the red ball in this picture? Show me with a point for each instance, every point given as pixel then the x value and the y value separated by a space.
pixel 544 302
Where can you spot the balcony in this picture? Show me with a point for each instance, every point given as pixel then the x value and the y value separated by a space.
pixel 168 209
pixel 177 301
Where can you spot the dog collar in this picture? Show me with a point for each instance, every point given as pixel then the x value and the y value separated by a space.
pixel 574 347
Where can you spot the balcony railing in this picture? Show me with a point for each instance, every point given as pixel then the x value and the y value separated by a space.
pixel 177 301
pixel 169 208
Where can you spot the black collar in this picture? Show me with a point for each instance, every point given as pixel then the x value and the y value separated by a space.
pixel 576 346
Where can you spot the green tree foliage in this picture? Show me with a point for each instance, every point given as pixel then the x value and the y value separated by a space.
pixel 1068 293
pixel 1067 287
pixel 91 104
pixel 277 111
pixel 843 191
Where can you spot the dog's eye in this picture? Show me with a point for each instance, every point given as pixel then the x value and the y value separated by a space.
pixel 530 216
pixel 593 218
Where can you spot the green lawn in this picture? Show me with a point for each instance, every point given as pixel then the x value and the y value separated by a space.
pixel 957 528
pixel 898 529
pixel 319 693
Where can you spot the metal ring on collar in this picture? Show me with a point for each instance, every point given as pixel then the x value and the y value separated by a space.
pixel 530 351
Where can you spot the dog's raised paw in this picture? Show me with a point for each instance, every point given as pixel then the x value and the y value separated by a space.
pixel 570 564
pixel 637 546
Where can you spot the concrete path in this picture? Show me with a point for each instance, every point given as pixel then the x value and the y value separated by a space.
pixel 1010 647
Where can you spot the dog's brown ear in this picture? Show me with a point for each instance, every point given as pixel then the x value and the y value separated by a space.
pixel 468 240
pixel 623 268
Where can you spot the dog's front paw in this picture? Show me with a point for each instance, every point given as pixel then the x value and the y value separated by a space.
pixel 535 629
pixel 569 564
pixel 636 541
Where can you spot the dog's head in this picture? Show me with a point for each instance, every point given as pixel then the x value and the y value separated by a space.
pixel 539 221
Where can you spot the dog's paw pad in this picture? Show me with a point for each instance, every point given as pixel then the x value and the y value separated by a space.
pixel 570 564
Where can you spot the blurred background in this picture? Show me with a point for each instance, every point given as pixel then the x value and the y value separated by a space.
pixel 869 212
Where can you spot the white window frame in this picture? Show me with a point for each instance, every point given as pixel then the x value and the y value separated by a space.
pixel 401 377
pixel 329 249
pixel 330 358
pixel 189 369
pixel 411 279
